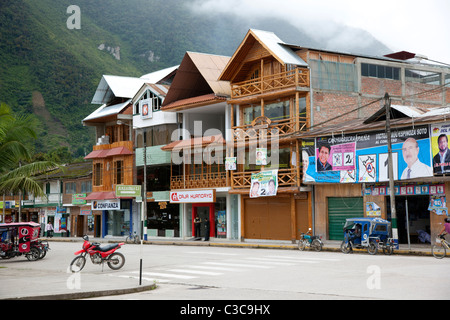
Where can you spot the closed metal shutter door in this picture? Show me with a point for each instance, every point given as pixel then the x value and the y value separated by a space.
pixel 340 209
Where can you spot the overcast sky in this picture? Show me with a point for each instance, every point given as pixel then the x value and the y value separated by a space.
pixel 421 27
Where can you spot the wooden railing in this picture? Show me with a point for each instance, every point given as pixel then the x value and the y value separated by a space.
pixel 279 128
pixel 199 181
pixel 292 78
pixel 286 178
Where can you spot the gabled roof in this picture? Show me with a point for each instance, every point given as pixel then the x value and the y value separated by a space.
pixel 106 111
pixel 111 87
pixel 196 76
pixel 269 41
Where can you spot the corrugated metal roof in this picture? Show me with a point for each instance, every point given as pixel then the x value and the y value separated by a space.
pixel 276 46
pixel 111 87
pixel 105 111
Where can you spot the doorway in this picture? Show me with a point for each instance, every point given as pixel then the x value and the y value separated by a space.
pixel 203 211
pixel 412 217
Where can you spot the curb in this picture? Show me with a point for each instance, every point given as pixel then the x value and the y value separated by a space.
pixel 87 294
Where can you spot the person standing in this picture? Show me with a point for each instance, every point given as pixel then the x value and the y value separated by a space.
pixel 49 229
pixel 207 229
pixel 197 226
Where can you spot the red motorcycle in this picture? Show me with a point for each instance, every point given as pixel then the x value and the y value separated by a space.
pixel 99 255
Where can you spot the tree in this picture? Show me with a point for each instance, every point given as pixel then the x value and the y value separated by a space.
pixel 17 171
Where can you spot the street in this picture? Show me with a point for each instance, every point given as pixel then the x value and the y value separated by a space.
pixel 219 273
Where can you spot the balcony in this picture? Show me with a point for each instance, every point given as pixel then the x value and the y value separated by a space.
pixel 284 80
pixel 199 181
pixel 286 178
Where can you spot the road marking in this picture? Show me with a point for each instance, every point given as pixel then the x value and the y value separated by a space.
pixel 213 253
pixel 304 258
pixel 143 278
pixel 237 265
pixel 208 273
pixel 212 268
pixel 165 275
pixel 272 261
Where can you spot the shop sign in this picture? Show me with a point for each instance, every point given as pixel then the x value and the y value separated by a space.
pixel 78 198
pixel 197 196
pixel 128 191
pixel 106 204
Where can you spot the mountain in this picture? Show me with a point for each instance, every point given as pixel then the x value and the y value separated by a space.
pixel 52 70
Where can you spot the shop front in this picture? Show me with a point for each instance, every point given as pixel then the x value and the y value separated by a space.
pixel 116 216
pixel 213 210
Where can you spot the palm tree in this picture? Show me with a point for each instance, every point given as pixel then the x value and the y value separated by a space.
pixel 17 172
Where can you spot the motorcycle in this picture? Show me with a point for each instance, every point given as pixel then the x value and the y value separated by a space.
pixel 308 240
pixel 99 255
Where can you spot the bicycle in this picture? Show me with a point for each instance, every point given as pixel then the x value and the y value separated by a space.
pixel 132 238
pixel 439 249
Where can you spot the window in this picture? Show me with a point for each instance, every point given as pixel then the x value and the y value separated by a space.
pixel 86 186
pixel 118 172
pixel 71 188
pixel 156 135
pixel 98 174
pixel 333 75
pixel 250 113
pixel 277 111
pixel 378 71
pixel 425 77
pixel 155 101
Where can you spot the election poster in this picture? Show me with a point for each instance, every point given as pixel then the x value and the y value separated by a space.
pixel 364 157
pixel 439 148
pixel 264 183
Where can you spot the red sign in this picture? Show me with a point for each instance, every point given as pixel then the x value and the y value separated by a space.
pixel 197 196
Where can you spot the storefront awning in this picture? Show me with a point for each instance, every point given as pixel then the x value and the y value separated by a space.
pixel 108 153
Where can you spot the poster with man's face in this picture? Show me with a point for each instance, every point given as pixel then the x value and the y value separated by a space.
pixel 440 134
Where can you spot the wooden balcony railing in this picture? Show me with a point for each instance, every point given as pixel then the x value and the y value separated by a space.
pixel 286 178
pixel 199 181
pixel 293 78
pixel 278 127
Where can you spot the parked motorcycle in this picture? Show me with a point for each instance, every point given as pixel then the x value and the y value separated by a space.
pixel 308 240
pixel 99 255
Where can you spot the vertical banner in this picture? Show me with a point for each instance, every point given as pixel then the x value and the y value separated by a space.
pixel 439 148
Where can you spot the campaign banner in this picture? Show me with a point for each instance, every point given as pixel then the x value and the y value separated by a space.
pixel 264 184
pixel 363 157
pixel 439 148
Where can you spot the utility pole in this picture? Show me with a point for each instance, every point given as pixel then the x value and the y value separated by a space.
pixel 387 103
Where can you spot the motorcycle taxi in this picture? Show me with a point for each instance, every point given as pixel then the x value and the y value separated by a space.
pixel 368 233
pixel 21 238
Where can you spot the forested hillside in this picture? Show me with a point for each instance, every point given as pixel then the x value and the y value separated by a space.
pixel 52 71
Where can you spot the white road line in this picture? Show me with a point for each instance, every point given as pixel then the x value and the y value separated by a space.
pixel 143 278
pixel 207 273
pixel 272 261
pixel 225 264
pixel 303 258
pixel 213 268
pixel 165 275
pixel 213 253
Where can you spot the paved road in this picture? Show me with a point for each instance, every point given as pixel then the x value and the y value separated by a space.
pixel 222 273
